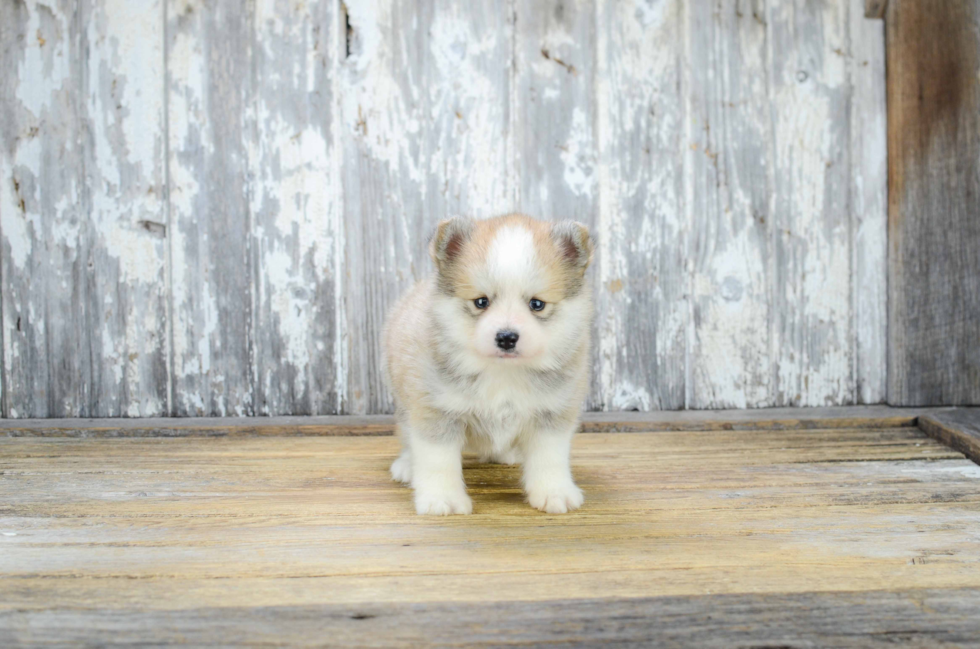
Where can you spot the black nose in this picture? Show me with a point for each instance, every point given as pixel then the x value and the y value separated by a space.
pixel 507 340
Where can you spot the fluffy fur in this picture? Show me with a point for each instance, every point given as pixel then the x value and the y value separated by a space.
pixel 457 390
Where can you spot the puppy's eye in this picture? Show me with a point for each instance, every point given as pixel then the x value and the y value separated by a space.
pixel 536 304
pixel 481 302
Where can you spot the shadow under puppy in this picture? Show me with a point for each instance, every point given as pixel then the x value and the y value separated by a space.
pixel 490 355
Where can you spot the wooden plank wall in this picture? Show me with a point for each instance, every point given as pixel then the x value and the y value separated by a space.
pixel 934 202
pixel 83 209
pixel 206 208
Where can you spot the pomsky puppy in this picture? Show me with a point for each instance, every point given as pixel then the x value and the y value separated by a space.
pixel 490 355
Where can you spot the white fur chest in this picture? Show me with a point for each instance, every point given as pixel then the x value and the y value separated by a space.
pixel 492 395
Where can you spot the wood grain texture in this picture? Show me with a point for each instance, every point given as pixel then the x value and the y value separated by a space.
pixel 256 182
pixel 811 290
pixel 296 206
pixel 554 114
pixel 82 210
pixel 640 271
pixel 424 94
pixel 906 618
pixel 730 144
pixel 175 529
pixel 209 89
pixel 868 176
pixel 933 185
pixel 958 429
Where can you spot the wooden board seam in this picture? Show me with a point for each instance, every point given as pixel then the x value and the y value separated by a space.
pixel 958 429
pixel 852 417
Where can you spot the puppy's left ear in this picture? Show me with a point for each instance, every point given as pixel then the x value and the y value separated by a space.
pixel 574 243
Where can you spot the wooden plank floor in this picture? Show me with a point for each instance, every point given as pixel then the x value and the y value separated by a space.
pixel 844 537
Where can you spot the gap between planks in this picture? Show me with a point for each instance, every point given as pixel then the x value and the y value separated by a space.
pixel 592 422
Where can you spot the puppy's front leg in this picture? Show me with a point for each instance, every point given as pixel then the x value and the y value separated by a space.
pixel 437 468
pixel 548 479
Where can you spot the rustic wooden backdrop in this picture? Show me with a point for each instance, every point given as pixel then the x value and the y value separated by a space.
pixel 933 59
pixel 206 207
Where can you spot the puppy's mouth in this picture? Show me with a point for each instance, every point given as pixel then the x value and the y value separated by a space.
pixel 507 355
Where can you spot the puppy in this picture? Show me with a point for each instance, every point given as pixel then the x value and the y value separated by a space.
pixel 490 355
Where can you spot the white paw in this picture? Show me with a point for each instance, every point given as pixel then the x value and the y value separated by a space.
pixel 556 499
pixel 401 469
pixel 442 503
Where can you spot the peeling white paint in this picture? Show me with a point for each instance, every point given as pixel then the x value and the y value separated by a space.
pixel 48 70
pixel 814 345
pixel 630 397
pixel 19 229
pixel 732 328
pixel 474 136
pixel 290 306
pixel 297 212
pixel 640 221
pixel 82 172
pixel 709 291
pixel 374 105
pixel 578 157
pixel 869 201
pixel 194 309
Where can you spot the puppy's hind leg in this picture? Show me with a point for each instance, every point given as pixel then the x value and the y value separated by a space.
pixel 401 468
pixel 508 456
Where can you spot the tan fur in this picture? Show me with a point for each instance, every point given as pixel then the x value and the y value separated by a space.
pixel 506 406
pixel 564 276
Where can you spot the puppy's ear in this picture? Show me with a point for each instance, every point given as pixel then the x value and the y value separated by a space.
pixel 447 242
pixel 574 243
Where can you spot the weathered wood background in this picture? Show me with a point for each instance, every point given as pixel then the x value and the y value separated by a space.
pixel 207 207
pixel 934 202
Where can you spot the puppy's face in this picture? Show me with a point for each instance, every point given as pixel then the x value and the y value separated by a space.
pixel 512 289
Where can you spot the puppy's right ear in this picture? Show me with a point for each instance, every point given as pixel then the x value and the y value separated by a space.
pixel 447 243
